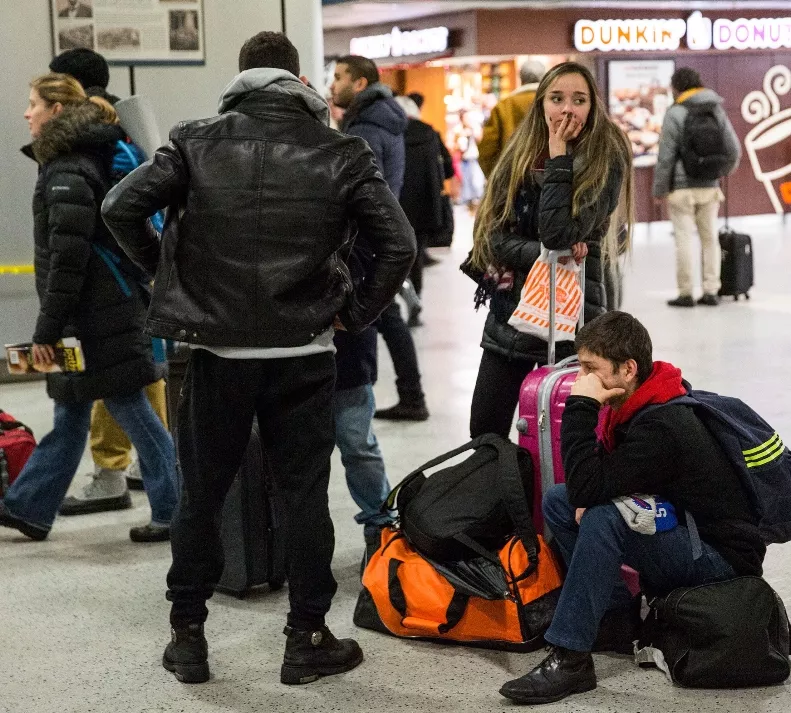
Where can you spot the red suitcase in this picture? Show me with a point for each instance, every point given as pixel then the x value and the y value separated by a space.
pixel 16 445
pixel 541 403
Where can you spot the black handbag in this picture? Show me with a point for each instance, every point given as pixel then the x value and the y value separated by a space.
pixel 730 634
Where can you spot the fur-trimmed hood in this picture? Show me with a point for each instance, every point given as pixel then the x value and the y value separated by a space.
pixel 76 128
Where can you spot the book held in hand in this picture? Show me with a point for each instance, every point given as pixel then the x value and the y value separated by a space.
pixel 68 357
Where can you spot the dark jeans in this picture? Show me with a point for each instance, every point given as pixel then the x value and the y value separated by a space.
pixel 293 401
pixel 594 551
pixel 401 346
pixel 496 393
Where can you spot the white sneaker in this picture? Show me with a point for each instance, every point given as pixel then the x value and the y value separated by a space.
pixel 106 491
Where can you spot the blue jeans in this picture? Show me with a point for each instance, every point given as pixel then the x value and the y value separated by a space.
pixel 360 455
pixel 40 488
pixel 594 551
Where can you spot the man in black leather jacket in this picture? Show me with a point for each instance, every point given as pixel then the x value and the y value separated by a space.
pixel 259 200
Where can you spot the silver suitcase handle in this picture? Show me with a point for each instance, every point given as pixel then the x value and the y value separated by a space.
pixel 554 256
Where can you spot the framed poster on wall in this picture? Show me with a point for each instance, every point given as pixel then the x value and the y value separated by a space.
pixel 639 95
pixel 131 31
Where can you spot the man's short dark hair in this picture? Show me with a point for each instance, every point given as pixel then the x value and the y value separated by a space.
pixel 685 78
pixel 418 98
pixel 271 50
pixel 618 336
pixel 360 67
pixel 89 68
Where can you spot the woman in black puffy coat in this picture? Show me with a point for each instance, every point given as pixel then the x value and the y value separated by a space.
pixel 87 289
pixel 556 184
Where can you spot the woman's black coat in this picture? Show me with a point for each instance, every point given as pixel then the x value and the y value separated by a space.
pixel 79 294
pixel 546 218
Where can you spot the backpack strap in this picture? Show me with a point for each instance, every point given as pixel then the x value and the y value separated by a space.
pixel 453 614
pixel 111 260
pixel 390 503
pixel 692 526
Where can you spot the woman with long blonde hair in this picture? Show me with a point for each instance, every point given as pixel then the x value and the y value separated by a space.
pixel 556 184
pixel 88 289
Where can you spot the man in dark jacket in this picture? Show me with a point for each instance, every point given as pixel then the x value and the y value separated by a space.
pixel 260 200
pixel 372 114
pixel 666 452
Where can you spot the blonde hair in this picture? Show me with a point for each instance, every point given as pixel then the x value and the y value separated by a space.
pixel 601 149
pixel 56 88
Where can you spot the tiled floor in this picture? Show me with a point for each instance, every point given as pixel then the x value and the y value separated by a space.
pixel 83 618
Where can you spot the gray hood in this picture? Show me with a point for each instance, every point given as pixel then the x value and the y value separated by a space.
pixel 273 80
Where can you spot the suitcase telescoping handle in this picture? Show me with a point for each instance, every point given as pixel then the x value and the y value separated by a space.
pixel 554 256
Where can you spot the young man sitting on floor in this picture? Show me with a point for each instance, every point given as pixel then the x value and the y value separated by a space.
pixel 668 453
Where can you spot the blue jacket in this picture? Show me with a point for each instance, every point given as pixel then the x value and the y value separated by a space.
pixel 376 117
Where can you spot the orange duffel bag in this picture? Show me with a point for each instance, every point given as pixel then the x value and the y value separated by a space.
pixel 503 603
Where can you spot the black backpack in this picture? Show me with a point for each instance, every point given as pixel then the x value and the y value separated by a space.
pixel 703 149
pixel 730 634
pixel 472 508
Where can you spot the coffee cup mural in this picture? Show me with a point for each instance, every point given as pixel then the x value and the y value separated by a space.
pixel 768 143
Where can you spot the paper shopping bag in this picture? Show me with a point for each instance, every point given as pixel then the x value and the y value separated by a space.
pixel 532 314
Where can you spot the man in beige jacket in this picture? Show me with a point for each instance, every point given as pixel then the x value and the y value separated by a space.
pixel 507 115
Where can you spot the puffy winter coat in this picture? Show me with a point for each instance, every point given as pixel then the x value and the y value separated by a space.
pixel 79 294
pixel 376 117
pixel 546 218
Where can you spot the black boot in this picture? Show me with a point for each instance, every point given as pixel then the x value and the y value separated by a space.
pixel 560 674
pixel 682 301
pixel 404 411
pixel 619 628
pixel 186 656
pixel 313 654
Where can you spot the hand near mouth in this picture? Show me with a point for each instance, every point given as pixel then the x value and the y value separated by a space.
pixel 559 136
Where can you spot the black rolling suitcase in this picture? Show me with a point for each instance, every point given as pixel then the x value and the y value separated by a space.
pixel 736 273
pixel 251 537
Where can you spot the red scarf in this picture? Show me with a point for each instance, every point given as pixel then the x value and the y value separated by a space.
pixel 663 384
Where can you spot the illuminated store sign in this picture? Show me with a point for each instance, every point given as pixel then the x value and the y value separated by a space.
pixel 607 35
pixel 701 33
pixel 399 44
pixel 741 34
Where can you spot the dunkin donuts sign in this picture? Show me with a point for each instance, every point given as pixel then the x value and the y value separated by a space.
pixel 699 33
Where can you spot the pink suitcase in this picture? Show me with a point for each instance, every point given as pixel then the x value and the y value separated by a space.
pixel 542 399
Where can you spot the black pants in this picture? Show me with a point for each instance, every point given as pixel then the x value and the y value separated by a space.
pixel 401 346
pixel 496 393
pixel 416 273
pixel 293 401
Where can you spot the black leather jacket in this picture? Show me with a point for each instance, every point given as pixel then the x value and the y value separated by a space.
pixel 260 201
